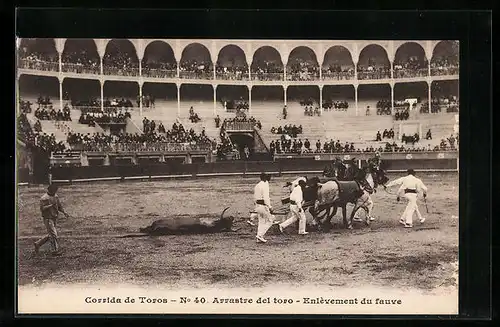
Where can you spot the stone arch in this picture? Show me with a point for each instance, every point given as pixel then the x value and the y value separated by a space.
pixel 373 53
pixel 120 58
pixel 120 47
pixel 409 49
pixel 302 64
pixel 410 61
pixel 232 63
pixel 338 63
pixel 43 48
pixel 446 47
pixel 196 62
pixel 373 63
pixel 232 52
pixel 159 60
pixel 267 64
pixel 80 56
pixel 445 58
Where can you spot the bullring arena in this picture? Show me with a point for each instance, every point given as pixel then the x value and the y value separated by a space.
pixel 114 185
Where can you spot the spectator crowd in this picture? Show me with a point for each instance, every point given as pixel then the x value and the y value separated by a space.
pixel 81 103
pixel 373 71
pixel 117 61
pixel 158 69
pixel 151 139
pixel 386 134
pixel 240 122
pixel 402 114
pixel 336 72
pixel 235 105
pixel 384 107
pixel 37 139
pixel 265 70
pixel 44 113
pixel 81 62
pixel 120 63
pixel 291 131
pixel 231 72
pixel 449 103
pixel 445 66
pixel 309 111
pixel 107 116
pixel 339 105
pixel 25 106
pixel 299 69
pixel 196 69
pixel 413 66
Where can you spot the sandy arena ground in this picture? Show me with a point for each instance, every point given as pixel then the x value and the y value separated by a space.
pixel 382 255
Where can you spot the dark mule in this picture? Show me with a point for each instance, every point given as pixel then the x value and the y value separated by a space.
pixel 333 194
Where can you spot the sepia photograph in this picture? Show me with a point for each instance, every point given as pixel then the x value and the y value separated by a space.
pixel 237 176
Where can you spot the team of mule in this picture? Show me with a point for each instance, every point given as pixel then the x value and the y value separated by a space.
pixel 343 183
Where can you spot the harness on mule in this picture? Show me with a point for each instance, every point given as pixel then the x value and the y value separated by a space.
pixel 364 185
pixel 350 191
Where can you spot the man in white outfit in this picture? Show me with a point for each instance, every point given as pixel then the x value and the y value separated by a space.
pixel 263 207
pixel 411 186
pixel 296 199
pixel 293 184
pixel 254 214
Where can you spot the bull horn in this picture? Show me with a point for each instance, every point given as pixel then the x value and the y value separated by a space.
pixel 222 214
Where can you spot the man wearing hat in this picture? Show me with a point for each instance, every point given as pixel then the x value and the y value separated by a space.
pixel 263 207
pixel 296 199
pixel 293 184
pixel 50 206
pixel 375 161
pixel 411 186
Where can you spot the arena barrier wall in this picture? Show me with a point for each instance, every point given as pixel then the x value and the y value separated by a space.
pixel 236 168
pixel 23 175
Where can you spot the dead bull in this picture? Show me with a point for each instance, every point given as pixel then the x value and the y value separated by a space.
pixel 202 224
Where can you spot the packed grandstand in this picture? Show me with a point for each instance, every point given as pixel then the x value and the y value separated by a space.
pixel 85 95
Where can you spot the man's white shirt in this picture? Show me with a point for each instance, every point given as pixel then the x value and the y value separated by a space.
pixel 408 182
pixel 296 182
pixel 297 196
pixel 261 192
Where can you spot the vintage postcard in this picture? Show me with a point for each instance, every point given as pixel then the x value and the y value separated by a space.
pixel 237 176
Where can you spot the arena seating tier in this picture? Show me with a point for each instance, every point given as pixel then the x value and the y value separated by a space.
pixel 360 130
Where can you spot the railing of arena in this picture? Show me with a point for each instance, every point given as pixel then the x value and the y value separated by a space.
pixel 80 69
pixel 302 76
pixel 39 65
pixel 267 76
pixel 125 71
pixel 374 75
pixel 159 73
pixel 146 147
pixel 85 109
pixel 241 76
pixel 444 71
pixel 360 153
pixel 196 75
pixel 406 73
pixel 239 126
pixel 337 75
